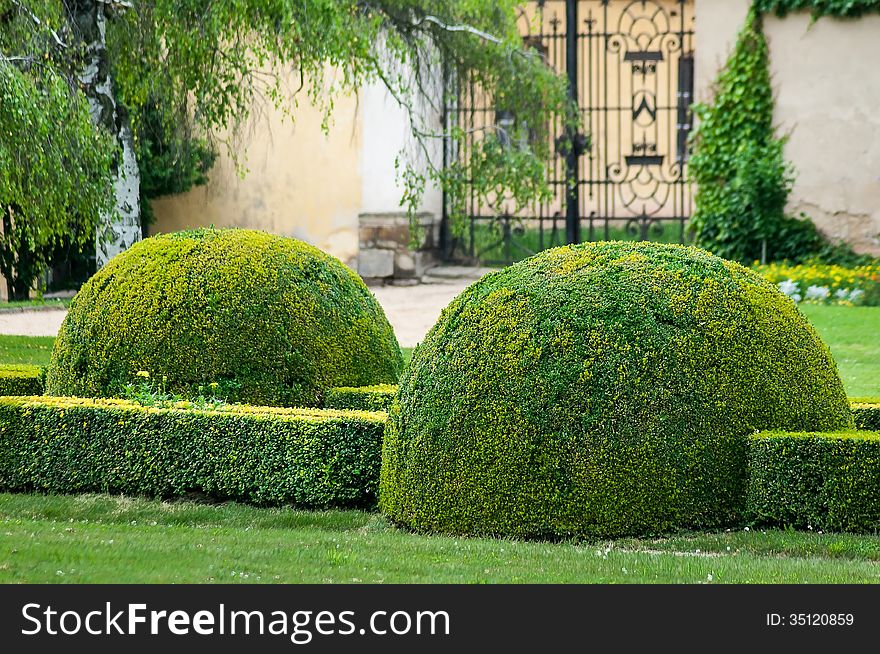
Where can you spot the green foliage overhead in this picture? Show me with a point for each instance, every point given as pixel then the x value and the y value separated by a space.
pixel 189 73
pixel 55 171
pixel 307 458
pixel 600 390
pixel 269 319
pixel 214 62
pixel 170 157
pixel 820 481
pixel 819 8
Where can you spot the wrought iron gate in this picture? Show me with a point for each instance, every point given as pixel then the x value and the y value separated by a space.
pixel 630 66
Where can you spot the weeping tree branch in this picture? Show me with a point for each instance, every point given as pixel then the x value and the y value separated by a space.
pixel 39 23
pixel 459 28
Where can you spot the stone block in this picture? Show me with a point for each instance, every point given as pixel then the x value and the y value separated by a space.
pixel 398 234
pixel 404 265
pixel 374 263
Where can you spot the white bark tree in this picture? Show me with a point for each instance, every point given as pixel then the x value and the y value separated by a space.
pixel 195 66
pixel 120 229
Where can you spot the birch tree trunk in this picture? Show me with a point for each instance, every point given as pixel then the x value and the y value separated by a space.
pixel 116 232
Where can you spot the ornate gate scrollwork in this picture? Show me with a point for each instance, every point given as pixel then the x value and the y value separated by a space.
pixel 634 79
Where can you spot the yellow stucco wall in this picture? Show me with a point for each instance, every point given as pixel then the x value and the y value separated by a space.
pixel 300 182
pixel 827 94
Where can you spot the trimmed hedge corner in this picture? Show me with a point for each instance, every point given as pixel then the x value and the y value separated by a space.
pixel 828 481
pixel 310 458
pixel 271 320
pixel 601 390
pixel 361 398
pixel 866 413
pixel 21 380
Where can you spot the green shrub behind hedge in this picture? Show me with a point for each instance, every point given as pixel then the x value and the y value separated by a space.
pixel 828 481
pixel 271 320
pixel 310 458
pixel 378 397
pixel 21 380
pixel 600 390
pixel 866 413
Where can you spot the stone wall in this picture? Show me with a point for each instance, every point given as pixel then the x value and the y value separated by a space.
pixel 387 252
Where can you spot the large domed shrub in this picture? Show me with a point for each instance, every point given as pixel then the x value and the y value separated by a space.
pixel 275 318
pixel 601 390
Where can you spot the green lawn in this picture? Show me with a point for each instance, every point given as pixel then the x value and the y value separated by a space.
pixel 853 333
pixel 103 539
pixel 54 303
pixel 34 350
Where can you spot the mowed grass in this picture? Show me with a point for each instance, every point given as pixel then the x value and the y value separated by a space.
pixel 103 539
pixel 35 350
pixel 853 334
pixel 51 303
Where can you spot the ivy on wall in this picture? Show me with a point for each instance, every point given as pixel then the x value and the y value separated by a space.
pixel 742 178
pixel 737 164
pixel 820 8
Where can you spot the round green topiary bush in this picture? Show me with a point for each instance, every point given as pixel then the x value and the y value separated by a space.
pixel 269 320
pixel 601 390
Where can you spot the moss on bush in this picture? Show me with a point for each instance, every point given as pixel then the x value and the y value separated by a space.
pixel 269 319
pixel 601 390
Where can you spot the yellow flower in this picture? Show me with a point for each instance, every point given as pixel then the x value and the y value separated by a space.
pixel 143 373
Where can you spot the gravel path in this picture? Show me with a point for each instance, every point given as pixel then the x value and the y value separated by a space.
pixel 32 323
pixel 412 311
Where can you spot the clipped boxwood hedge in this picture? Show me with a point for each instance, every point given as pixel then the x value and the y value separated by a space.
pixel 311 458
pixel 828 481
pixel 600 390
pixel 378 397
pixel 866 413
pixel 21 380
pixel 271 320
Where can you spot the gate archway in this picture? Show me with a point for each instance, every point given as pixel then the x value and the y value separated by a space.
pixel 630 66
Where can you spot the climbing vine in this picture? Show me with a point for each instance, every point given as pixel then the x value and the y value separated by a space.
pixel 737 164
pixel 820 8
pixel 742 179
